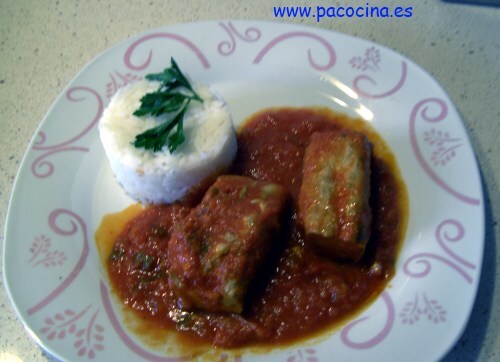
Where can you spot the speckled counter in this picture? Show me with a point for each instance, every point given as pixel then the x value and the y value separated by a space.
pixel 44 44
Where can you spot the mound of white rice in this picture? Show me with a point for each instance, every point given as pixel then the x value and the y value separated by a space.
pixel 162 177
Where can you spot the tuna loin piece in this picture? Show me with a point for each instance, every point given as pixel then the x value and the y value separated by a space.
pixel 334 196
pixel 217 248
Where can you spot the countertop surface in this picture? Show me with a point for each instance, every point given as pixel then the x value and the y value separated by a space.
pixel 44 44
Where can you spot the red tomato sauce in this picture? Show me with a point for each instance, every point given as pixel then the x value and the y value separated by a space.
pixel 298 292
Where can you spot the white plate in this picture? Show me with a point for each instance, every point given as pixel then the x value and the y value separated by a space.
pixel 64 187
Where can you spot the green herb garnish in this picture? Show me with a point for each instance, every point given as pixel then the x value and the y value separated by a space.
pixel 117 253
pixel 172 98
pixel 143 261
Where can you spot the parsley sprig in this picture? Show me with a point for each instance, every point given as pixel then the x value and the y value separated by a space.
pixel 172 98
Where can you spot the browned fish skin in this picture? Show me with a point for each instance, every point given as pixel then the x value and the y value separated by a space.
pixel 217 248
pixel 334 196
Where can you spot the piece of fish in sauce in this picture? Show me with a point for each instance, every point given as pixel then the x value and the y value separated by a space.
pixel 217 248
pixel 334 196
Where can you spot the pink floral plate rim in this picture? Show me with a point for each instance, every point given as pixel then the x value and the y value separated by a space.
pixel 51 268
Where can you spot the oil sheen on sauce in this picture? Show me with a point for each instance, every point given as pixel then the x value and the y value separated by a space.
pixel 298 293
